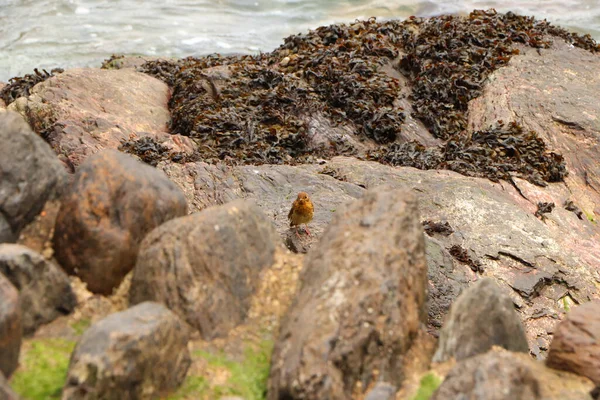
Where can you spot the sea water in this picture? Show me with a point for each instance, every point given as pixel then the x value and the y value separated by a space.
pixel 76 33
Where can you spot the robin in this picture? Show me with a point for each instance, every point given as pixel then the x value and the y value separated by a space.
pixel 301 212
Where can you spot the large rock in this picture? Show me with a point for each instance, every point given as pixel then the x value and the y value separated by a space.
pixel 111 205
pixel 6 393
pixel 30 174
pixel 10 327
pixel 576 343
pixel 85 110
pixel 540 263
pixel 447 279
pixel 139 353
pixel 44 289
pixel 206 266
pixel 546 264
pixel 554 93
pixel 482 317
pixel 502 375
pixel 360 305
pixel 273 187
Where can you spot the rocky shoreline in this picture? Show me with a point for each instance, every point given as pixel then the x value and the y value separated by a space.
pixel 453 166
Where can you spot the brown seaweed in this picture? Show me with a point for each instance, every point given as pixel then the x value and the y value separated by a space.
pixel 570 206
pixel 151 152
pixel 257 109
pixel 432 228
pixel 543 208
pixel 21 86
pixel 449 57
pixel 500 152
pixel 259 114
pixel 461 255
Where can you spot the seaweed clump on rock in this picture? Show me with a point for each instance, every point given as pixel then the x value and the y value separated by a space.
pixel 257 109
pixel 342 64
pixel 496 153
pixel 447 60
pixel 151 152
pixel 262 113
pixel 449 57
pixel 147 149
pixel 21 86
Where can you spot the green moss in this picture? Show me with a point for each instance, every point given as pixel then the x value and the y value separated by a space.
pixel 193 386
pixel 567 302
pixel 429 384
pixel 247 378
pixel 589 216
pixel 43 369
pixel 80 326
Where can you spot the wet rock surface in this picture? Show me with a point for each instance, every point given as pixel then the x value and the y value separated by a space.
pixel 273 188
pixel 502 375
pixel 362 318
pixel 446 280
pixel 481 317
pixel 118 357
pixel 10 327
pixel 30 174
pixel 539 263
pixel 82 111
pixel 113 202
pixel 206 266
pixel 44 289
pixel 576 343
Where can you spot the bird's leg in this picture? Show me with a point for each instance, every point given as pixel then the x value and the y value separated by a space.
pixel 296 229
pixel 306 229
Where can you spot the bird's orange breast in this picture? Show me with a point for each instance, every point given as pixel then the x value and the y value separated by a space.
pixel 301 213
